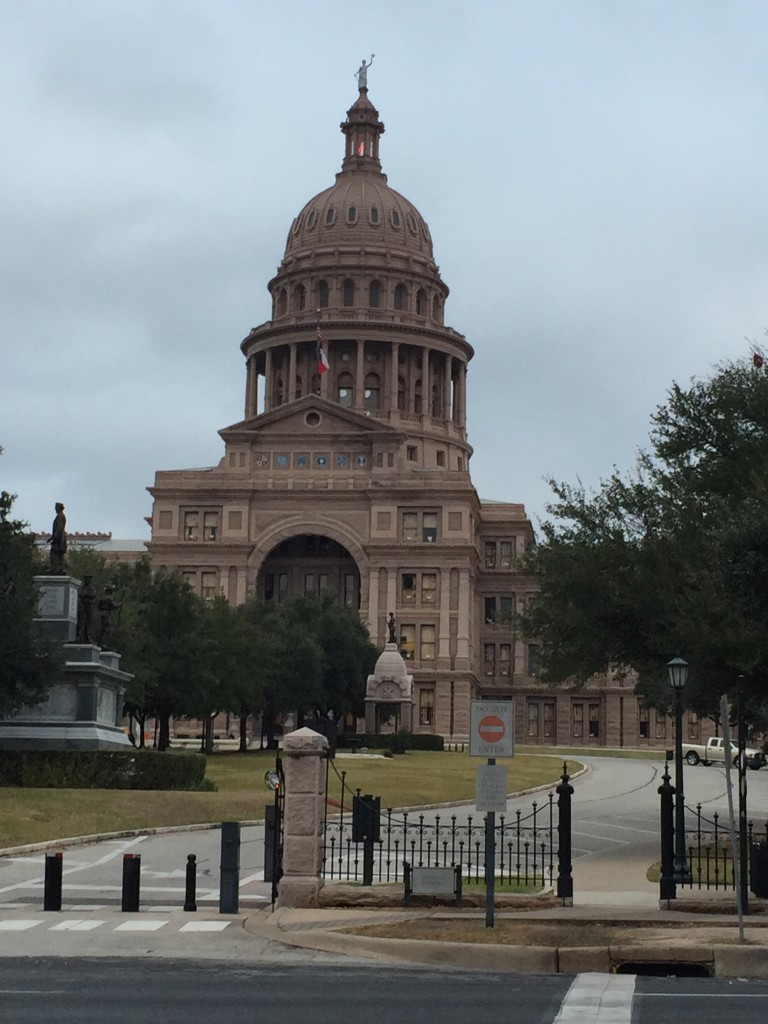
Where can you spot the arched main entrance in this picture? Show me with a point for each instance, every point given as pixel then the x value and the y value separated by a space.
pixel 309 565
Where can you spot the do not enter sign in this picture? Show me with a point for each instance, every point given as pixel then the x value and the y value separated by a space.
pixel 492 728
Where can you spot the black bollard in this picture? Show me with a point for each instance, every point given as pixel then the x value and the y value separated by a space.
pixel 229 891
pixel 54 865
pixel 189 895
pixel 667 886
pixel 131 882
pixel 564 866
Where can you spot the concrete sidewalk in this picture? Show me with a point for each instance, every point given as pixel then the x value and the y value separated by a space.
pixel 699 933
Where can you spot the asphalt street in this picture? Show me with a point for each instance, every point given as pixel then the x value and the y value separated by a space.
pixel 89 992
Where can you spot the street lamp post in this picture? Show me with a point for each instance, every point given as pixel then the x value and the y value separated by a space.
pixel 678 676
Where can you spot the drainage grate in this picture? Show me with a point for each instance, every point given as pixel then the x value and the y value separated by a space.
pixel 660 969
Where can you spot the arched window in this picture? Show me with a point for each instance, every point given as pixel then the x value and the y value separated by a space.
pixel 401 394
pixel 435 399
pixel 400 296
pixel 351 215
pixel 282 303
pixel 345 389
pixel 374 215
pixel 417 396
pixel 436 309
pixel 374 294
pixel 421 302
pixel 323 294
pixel 372 391
pixel 299 298
pixel 349 292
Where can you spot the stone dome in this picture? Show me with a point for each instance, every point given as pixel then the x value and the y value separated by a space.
pixel 360 210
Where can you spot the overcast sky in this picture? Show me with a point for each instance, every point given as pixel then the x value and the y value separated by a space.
pixel 593 173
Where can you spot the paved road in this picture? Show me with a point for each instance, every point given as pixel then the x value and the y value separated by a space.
pixel 89 992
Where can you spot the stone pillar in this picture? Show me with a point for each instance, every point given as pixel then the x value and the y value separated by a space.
pixel 291 386
pixel 373 605
pixel 394 367
pixel 447 411
pixel 269 380
pixel 444 639
pixel 426 384
pixel 304 814
pixel 359 375
pixel 464 624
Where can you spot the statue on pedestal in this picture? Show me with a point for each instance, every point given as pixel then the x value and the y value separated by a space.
pixel 107 608
pixel 362 73
pixel 85 602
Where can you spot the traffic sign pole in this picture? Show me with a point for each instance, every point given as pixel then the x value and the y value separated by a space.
pixel 490 862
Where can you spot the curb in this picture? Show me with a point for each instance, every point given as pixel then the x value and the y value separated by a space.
pixel 720 961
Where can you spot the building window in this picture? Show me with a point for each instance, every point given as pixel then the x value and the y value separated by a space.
pixel 410 525
pixel 505 660
pixel 322 583
pixel 499 611
pixel 408 591
pixel 533 659
pixel 282 303
pixel 282 586
pixel 489 659
pixel 489 615
pixel 323 294
pixel 490 554
pixel 372 391
pixel 309 584
pixel 408 641
pixel 577 713
pixel 644 724
pixel 533 720
pixel 441 459
pixel 208 588
pixel 427 645
pixel 349 293
pixel 421 302
pixel 428 587
pixel 374 215
pixel 429 527
pixel 345 386
pixel 411 453
pixel 191 525
pixel 374 294
pixel 300 298
pixel 594 721
pixel 506 554
pixel 400 296
pixel 350 597
pixel 694 727
pixel 190 578
pixel 661 726
pixel 210 525
pixel 426 707
pixel 549 719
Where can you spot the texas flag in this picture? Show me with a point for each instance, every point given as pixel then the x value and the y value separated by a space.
pixel 323 366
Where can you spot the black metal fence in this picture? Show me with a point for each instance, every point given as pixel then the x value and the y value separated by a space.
pixel 526 843
pixel 710 851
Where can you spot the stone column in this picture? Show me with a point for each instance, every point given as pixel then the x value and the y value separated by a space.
pixel 269 380
pixel 444 640
pixel 373 605
pixel 426 384
pixel 359 375
pixel 291 388
pixel 304 814
pixel 447 411
pixel 465 611
pixel 394 355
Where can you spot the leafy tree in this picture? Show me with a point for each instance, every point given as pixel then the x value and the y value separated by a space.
pixel 669 559
pixel 28 663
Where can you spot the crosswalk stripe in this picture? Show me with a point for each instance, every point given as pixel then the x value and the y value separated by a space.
pixel 204 926
pixel 140 926
pixel 76 926
pixel 598 999
pixel 18 925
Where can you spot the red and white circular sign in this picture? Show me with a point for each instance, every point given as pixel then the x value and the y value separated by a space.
pixel 491 729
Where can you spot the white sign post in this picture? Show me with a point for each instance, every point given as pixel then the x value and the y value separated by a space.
pixel 491 735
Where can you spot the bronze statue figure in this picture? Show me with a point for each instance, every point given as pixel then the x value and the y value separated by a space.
pixel 107 607
pixel 58 542
pixel 85 602
pixel 392 628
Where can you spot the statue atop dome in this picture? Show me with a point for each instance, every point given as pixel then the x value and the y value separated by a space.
pixel 362 73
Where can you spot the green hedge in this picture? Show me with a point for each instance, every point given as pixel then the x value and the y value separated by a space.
pixel 100 769
pixel 399 742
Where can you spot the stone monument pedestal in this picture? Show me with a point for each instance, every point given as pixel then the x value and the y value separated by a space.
pixel 84 707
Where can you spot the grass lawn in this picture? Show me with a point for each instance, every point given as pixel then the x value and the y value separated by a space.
pixel 418 777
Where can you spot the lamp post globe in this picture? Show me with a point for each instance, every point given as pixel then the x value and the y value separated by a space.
pixel 677 670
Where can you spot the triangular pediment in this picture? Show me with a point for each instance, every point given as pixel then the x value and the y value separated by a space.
pixel 311 417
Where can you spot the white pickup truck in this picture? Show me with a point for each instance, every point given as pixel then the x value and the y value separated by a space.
pixel 713 751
